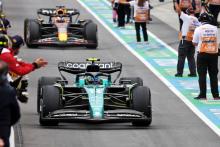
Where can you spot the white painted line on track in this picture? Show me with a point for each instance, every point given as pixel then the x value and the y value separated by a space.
pixel 12 138
pixel 165 81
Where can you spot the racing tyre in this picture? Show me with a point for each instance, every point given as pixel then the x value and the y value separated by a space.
pixel 141 101
pixel 137 80
pixel 91 35
pixel 88 20
pixel 25 29
pixel 50 102
pixel 31 32
pixel 44 81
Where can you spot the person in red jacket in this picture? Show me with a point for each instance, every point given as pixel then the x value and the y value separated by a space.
pixel 19 67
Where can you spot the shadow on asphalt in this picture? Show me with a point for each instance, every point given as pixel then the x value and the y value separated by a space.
pixel 60 48
pixel 104 126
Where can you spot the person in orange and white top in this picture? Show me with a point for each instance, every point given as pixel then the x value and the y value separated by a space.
pixel 186 48
pixel 214 7
pixel 141 8
pixel 206 39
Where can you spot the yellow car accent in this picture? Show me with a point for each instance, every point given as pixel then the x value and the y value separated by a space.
pixel 62 37
pixel 92 59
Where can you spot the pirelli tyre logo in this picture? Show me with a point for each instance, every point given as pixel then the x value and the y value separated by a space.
pixel 77 65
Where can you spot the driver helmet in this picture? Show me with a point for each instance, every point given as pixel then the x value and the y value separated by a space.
pixel 89 80
pixel 93 80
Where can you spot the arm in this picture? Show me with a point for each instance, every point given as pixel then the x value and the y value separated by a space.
pixel 19 68
pixel 174 4
pixel 196 37
pixel 177 8
pixel 112 1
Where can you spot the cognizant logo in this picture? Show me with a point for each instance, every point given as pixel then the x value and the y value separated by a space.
pixel 84 65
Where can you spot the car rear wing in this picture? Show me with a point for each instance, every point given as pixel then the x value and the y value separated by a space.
pixel 53 12
pixel 81 67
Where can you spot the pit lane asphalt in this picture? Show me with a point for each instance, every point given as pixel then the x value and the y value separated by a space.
pixel 173 123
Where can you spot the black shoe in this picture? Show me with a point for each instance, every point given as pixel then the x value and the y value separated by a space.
pixel 200 98
pixel 178 75
pixel 216 98
pixel 192 75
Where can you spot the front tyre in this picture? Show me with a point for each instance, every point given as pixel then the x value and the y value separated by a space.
pixel 141 101
pixel 50 102
pixel 44 81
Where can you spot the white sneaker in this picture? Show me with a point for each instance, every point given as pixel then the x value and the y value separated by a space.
pixel 146 42
pixel 121 27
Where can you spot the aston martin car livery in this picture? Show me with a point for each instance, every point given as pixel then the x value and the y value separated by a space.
pixel 94 96
pixel 63 28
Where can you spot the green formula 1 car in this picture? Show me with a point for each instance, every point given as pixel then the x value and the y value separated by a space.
pixel 93 96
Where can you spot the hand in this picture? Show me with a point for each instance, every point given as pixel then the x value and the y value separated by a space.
pixel 1 143
pixel 177 8
pixel 40 62
pixel 22 97
pixel 24 85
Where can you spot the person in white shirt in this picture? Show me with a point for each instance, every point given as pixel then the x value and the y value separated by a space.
pixel 141 8
pixel 186 48
pixel 206 40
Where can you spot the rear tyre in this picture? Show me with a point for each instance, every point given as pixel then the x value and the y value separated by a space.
pixel 133 80
pixel 90 34
pixel 31 32
pixel 44 81
pixel 50 102
pixel 141 101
